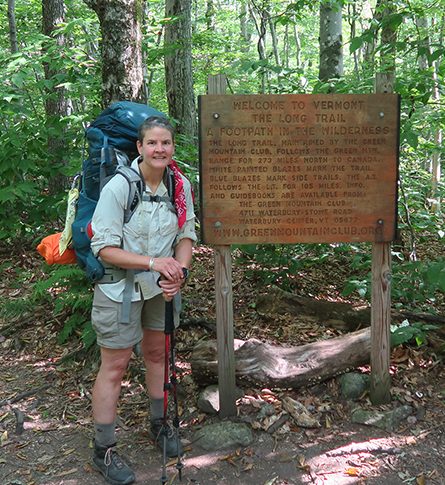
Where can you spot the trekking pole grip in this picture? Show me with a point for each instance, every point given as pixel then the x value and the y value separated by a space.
pixel 166 298
pixel 169 323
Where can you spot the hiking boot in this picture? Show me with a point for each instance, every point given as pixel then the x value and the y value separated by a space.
pixel 173 444
pixel 111 465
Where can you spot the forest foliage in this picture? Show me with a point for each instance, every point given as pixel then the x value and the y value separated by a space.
pixel 262 46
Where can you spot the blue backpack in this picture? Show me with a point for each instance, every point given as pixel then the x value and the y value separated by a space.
pixel 111 142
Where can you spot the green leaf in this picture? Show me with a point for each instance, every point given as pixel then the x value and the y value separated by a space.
pixel 402 335
pixel 18 79
pixel 356 43
pixel 411 138
pixel 392 20
pixel 436 54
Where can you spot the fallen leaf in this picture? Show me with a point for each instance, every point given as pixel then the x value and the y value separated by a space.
pixel 302 465
pixel 420 480
pixel 352 472
pixel 271 482
pixel 3 437
pixel 301 460
pixel 328 422
pixel 67 472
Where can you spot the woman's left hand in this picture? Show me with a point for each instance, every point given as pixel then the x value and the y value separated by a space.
pixel 170 288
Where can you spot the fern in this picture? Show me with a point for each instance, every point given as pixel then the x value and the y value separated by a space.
pixel 68 276
pixel 69 328
pixel 67 288
pixel 16 308
pixel 88 335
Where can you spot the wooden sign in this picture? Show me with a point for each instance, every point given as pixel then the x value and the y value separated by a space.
pixel 298 168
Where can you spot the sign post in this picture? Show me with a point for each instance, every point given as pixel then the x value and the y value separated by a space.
pixel 224 304
pixel 380 387
pixel 298 168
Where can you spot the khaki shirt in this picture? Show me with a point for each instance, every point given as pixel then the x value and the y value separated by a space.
pixel 152 231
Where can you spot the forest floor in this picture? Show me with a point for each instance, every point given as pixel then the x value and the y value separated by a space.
pixel 45 402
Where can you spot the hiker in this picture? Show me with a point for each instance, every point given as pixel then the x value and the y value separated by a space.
pixel 155 246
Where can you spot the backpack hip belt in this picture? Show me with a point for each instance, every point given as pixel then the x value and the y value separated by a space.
pixel 112 275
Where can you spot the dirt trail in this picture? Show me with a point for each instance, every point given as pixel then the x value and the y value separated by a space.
pixel 53 445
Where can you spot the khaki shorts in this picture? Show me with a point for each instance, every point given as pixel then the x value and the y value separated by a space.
pixel 145 314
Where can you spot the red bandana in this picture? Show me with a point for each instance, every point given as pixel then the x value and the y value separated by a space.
pixel 180 202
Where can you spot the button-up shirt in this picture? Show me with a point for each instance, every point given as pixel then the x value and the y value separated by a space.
pixel 152 231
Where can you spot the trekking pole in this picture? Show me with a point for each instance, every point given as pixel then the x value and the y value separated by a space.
pixel 170 381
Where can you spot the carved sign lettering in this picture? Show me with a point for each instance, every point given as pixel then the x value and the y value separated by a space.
pixel 298 168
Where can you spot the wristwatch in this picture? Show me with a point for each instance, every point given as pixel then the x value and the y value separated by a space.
pixel 185 273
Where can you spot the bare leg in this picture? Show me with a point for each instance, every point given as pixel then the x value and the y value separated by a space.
pixel 153 350
pixel 107 387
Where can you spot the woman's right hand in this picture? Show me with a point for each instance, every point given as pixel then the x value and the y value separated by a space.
pixel 169 268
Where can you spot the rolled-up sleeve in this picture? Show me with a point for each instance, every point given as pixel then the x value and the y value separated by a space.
pixel 187 231
pixel 108 217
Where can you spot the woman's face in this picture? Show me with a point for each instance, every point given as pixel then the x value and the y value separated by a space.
pixel 157 147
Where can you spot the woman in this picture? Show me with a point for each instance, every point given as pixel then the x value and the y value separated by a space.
pixel 156 247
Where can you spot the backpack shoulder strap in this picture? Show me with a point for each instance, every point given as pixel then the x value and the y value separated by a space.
pixel 137 187
pixel 171 185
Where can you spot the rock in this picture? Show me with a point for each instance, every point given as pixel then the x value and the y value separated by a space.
pixel 222 435
pixel 208 400
pixel 388 420
pixel 412 420
pixel 353 385
pixel 400 414
pixel 266 409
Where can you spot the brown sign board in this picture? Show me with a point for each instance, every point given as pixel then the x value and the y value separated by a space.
pixel 298 168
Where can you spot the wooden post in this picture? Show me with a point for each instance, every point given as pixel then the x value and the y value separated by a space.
pixel 380 389
pixel 224 304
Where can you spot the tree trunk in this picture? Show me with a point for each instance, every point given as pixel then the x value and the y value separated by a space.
pixel 331 51
pixel 269 365
pixel 297 45
pixel 286 46
pixel 352 16
pixel 261 43
pixel 121 48
pixel 436 168
pixel 273 35
pixel 342 316
pixel 210 15
pixel 150 73
pixel 424 42
pixel 244 30
pixel 368 49
pixel 178 67
pixel 12 27
pixel 56 103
